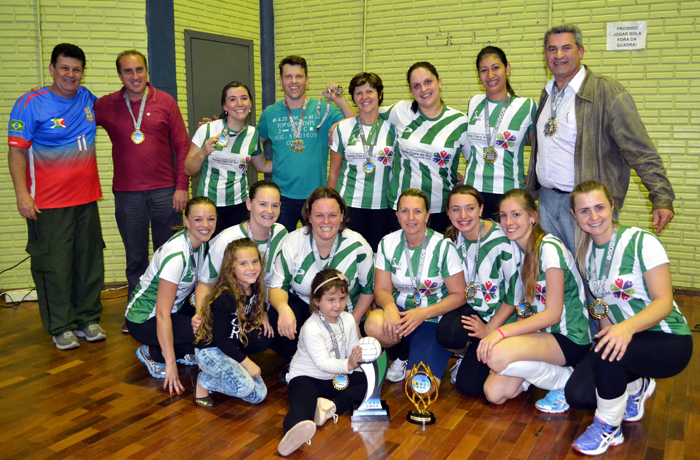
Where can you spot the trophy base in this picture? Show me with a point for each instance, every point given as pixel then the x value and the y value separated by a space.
pixel 420 418
pixel 375 414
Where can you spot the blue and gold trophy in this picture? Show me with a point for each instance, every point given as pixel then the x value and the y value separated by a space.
pixel 374 365
pixel 419 385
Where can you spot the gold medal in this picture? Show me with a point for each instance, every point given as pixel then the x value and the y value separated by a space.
pixel 137 137
pixel 598 309
pixel 222 140
pixel 490 155
pixel 524 310
pixel 368 167
pixel 470 292
pixel 416 298
pixel 341 381
pixel 550 127
pixel 298 145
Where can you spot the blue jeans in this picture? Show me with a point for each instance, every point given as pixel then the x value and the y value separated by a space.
pixel 290 213
pixel 135 211
pixel 555 217
pixel 223 374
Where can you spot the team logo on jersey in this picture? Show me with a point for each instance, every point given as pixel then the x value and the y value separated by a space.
pixel 394 264
pixel 244 163
pixel 385 155
pixel 16 125
pixel 489 291
pixel 88 114
pixel 441 157
pixel 541 293
pixel 506 139
pixel 622 289
pixel 58 123
pixel 425 287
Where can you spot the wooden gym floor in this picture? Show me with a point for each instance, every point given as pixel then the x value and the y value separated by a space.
pixel 99 402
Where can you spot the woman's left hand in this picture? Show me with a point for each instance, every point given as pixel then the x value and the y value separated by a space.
pixel 473 323
pixel 483 353
pixel 614 341
pixel 172 382
pixel 267 329
pixel 410 320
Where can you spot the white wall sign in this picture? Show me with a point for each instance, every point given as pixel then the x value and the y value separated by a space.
pixel 623 36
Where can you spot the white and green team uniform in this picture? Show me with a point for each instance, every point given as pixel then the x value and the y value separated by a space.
pixel 574 316
pixel 426 157
pixel 441 261
pixel 508 171
pixel 358 189
pixel 171 262
pixel 224 177
pixel 625 290
pixel 497 272
pixel 209 270
pixel 295 267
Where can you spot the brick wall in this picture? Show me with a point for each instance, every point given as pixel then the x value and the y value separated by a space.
pixel 662 78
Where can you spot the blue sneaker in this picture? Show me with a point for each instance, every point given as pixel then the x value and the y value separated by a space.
pixel 635 403
pixel 598 437
pixel 156 370
pixel 188 360
pixel 553 403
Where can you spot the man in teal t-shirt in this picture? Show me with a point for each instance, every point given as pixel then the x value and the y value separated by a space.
pixel 299 150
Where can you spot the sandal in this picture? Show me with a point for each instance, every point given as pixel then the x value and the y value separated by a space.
pixel 206 401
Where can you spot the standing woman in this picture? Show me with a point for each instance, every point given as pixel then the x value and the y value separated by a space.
pixel 490 262
pixel 643 333
pixel 431 136
pixel 157 314
pixel 323 242
pixel 418 278
pixel 362 158
pixel 553 332
pixel 499 125
pixel 222 150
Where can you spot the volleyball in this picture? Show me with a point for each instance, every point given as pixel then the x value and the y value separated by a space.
pixel 371 349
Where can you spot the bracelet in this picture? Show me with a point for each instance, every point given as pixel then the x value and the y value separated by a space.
pixel 501 332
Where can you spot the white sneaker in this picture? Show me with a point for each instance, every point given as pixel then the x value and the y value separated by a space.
pixel 454 370
pixel 297 436
pixel 397 370
pixel 325 410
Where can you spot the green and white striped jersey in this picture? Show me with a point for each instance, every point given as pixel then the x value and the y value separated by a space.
pixel 574 316
pixel 625 289
pixel 295 267
pixel 497 272
pixel 209 270
pixel 224 178
pixel 171 262
pixel 358 189
pixel 508 171
pixel 426 157
pixel 441 261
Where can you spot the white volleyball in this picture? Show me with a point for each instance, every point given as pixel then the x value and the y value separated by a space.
pixel 371 349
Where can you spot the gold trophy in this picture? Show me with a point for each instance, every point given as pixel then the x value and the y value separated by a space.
pixel 419 385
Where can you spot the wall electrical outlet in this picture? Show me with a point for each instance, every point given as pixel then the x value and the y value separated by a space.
pixel 20 295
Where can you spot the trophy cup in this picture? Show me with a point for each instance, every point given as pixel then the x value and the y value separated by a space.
pixel 419 383
pixel 374 364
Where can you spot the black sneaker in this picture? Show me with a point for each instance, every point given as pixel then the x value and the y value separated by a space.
pixel 125 329
pixel 282 376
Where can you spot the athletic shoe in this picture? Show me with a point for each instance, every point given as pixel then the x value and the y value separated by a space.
pixel 188 360
pixel 91 333
pixel 325 410
pixel 282 376
pixel 397 370
pixel 66 341
pixel 300 433
pixel 598 437
pixel 156 370
pixel 635 403
pixel 553 403
pixel 125 328
pixel 454 370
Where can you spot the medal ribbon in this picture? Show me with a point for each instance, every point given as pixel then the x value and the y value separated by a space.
pixel 267 248
pixel 191 248
pixel 424 245
pixel 296 130
pixel 487 123
pixel 598 287
pixel 334 341
pixel 325 114
pixel 137 124
pixel 317 257
pixel 557 96
pixel 365 147
pixel 472 275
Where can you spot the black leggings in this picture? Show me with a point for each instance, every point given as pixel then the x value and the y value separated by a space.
pixel 304 391
pixel 282 345
pixel 650 354
pixel 228 216
pixel 183 337
pixel 451 335
pixel 372 224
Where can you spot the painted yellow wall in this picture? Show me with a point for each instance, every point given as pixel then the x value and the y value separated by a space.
pixel 662 78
